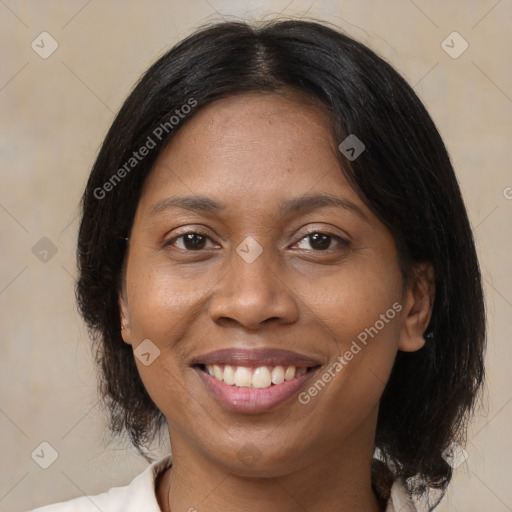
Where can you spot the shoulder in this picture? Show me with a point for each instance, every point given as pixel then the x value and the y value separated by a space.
pixel 110 501
pixel 138 495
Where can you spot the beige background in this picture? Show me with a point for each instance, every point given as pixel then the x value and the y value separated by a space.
pixel 54 113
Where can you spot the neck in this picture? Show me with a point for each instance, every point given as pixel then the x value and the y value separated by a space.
pixel 340 480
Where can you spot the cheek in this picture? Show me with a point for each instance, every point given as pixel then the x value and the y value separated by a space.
pixel 162 301
pixel 353 297
pixel 163 307
pixel 360 311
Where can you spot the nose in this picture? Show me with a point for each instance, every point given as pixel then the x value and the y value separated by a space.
pixel 252 295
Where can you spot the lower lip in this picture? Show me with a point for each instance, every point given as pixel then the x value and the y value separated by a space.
pixel 254 400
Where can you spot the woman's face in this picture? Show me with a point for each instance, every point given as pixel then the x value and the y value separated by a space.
pixel 252 258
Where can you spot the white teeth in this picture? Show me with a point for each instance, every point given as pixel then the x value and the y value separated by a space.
pixel 219 374
pixel 243 377
pixel 261 377
pixel 290 373
pixel 278 375
pixel 229 375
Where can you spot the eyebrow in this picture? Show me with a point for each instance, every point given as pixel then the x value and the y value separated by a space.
pixel 301 204
pixel 309 202
pixel 192 203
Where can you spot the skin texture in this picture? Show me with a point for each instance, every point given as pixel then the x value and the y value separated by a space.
pixel 251 153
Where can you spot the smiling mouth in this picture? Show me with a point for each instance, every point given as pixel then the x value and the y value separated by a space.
pixel 257 377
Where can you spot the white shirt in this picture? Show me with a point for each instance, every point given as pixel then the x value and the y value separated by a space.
pixel 139 496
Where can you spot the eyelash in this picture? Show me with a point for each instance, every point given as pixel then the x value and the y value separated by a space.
pixel 341 241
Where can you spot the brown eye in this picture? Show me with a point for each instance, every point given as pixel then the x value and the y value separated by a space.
pixel 190 241
pixel 319 241
pixel 194 241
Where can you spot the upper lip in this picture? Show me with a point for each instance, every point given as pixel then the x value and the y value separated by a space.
pixel 257 357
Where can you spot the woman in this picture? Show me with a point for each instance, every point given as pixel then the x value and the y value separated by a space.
pixel 277 266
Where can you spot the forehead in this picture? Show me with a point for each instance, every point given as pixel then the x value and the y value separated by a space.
pixel 251 120
pixel 251 145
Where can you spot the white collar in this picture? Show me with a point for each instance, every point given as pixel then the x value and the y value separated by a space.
pixel 400 499
pixel 140 494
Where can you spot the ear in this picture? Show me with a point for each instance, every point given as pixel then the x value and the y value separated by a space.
pixel 417 311
pixel 125 316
